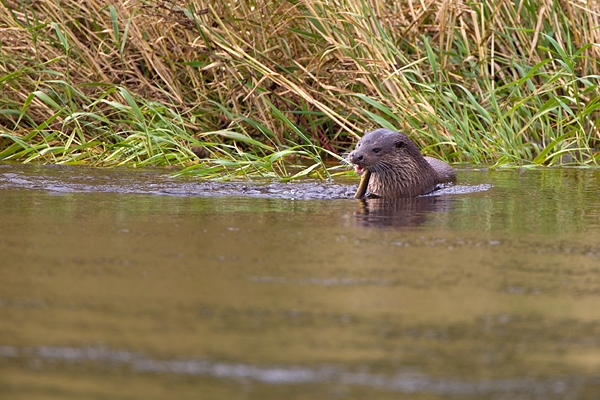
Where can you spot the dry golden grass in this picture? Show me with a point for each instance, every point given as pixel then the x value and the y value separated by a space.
pixel 254 81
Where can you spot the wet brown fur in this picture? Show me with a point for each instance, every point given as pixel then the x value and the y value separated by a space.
pixel 397 167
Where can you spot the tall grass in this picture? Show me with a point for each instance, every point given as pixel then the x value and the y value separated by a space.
pixel 264 84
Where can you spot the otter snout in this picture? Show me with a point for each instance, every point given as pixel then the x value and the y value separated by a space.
pixel 356 158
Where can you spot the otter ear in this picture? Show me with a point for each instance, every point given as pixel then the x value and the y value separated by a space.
pixel 400 144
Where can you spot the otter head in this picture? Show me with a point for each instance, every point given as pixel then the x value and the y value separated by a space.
pixel 398 169
pixel 383 149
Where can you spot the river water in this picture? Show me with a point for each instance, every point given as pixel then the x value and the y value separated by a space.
pixel 129 284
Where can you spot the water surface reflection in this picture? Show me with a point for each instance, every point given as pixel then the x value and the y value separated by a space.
pixel 133 293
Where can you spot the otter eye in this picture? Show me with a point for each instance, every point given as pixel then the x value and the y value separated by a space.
pixel 376 150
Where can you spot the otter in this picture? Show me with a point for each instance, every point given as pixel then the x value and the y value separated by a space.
pixel 394 167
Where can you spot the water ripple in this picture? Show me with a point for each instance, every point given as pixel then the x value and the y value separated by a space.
pixel 405 382
pixel 61 180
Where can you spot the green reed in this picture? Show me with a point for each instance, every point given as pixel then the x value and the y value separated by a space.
pixel 284 88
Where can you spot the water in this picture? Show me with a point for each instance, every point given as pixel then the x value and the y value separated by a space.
pixel 130 284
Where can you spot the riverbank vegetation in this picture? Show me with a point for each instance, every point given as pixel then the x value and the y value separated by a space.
pixel 248 88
